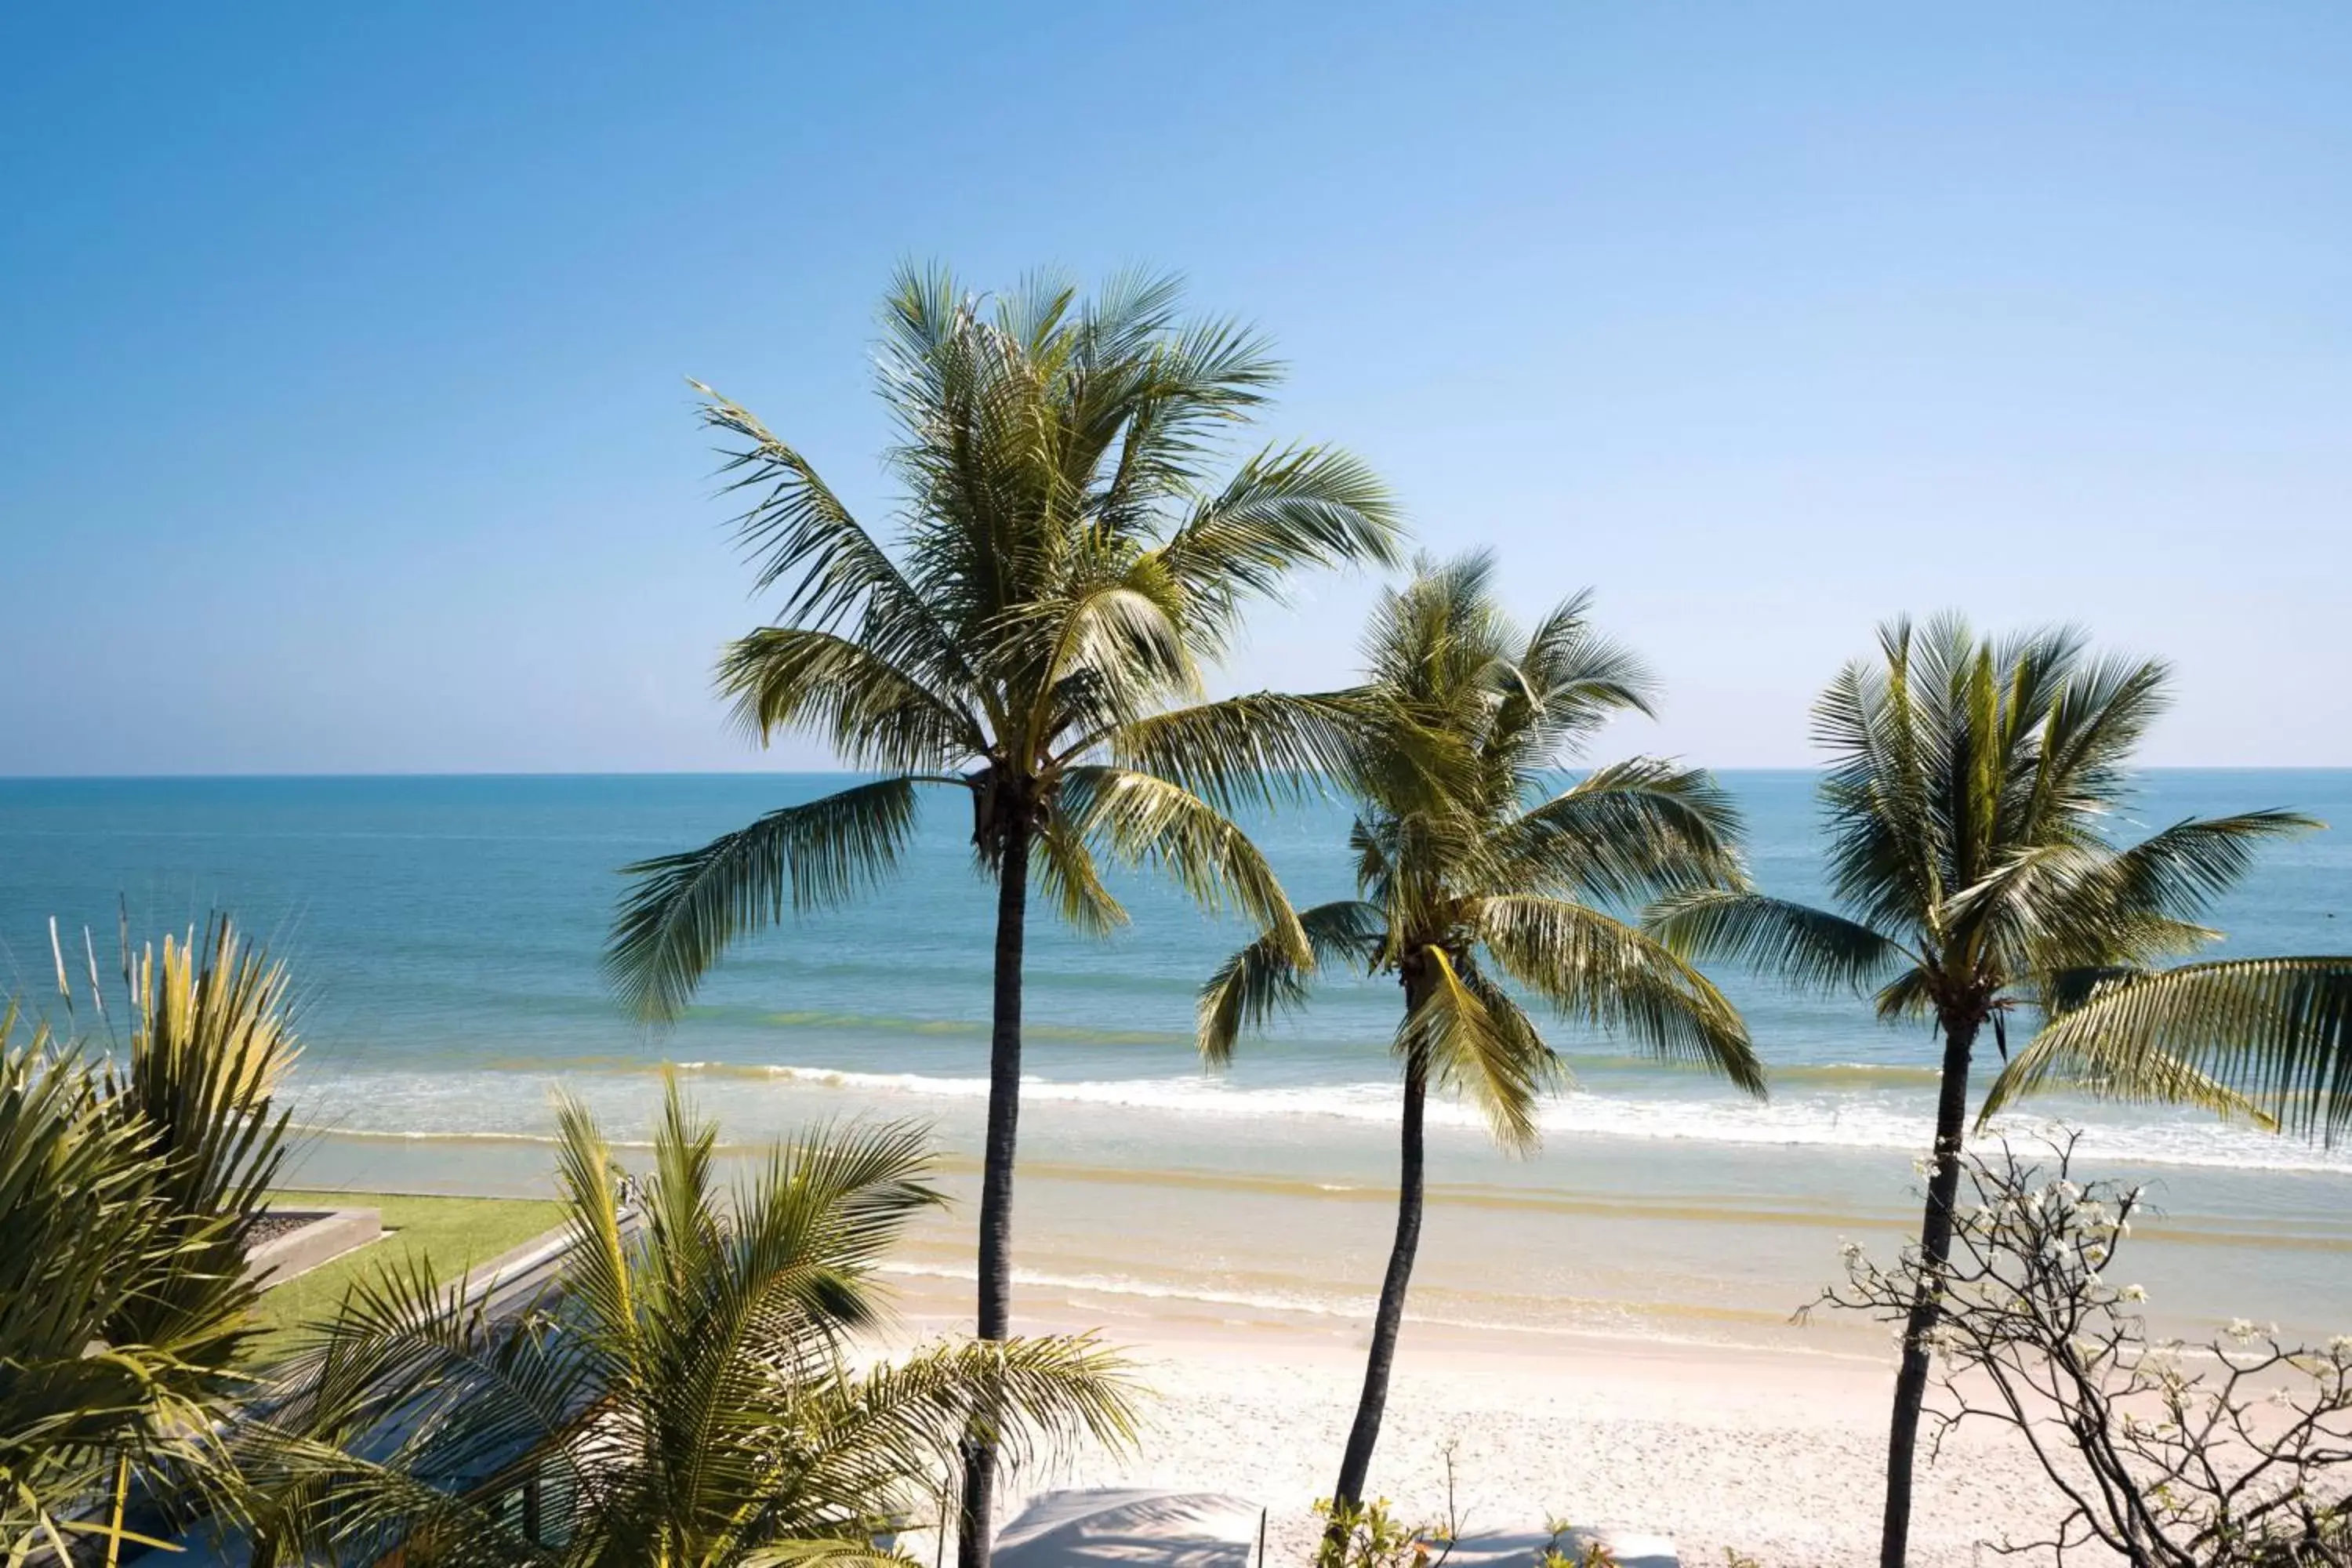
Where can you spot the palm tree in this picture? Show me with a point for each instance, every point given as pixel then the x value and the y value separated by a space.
pixel 682 1399
pixel 128 1192
pixel 1471 857
pixel 1969 784
pixel 1062 567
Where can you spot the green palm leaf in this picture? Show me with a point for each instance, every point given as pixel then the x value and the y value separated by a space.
pixel 1478 1042
pixel 874 714
pixel 1144 820
pixel 1282 511
pixel 1264 979
pixel 1630 831
pixel 1260 748
pixel 2267 1036
pixel 1804 945
pixel 687 909
pixel 1617 978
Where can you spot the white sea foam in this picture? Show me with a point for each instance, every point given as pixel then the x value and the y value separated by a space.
pixel 486 1104
pixel 1842 1120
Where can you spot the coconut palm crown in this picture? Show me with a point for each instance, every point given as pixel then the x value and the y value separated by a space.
pixel 1970 786
pixel 1064 565
pixel 1480 866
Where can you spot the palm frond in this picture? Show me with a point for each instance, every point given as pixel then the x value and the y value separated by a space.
pixel 2075 903
pixel 1476 1041
pixel 1561 688
pixel 1141 819
pixel 1263 980
pixel 873 714
pixel 81 1228
pixel 1066 870
pixel 687 909
pixel 1793 942
pixel 1259 747
pixel 1630 831
pixel 2177 873
pixel 2273 1032
pixel 798 532
pixel 599 1275
pixel 1282 511
pixel 1618 979
pixel 212 1040
pixel 1036 1399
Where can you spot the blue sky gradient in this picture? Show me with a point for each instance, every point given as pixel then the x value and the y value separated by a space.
pixel 343 425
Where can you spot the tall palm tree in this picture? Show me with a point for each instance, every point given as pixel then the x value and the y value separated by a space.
pixel 1063 567
pixel 683 1399
pixel 1969 785
pixel 128 1192
pixel 1475 866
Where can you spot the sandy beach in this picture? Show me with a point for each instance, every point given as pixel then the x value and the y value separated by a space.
pixel 1603 1335
pixel 1776 1454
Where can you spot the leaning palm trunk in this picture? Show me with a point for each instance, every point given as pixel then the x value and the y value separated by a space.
pixel 1372 1404
pixel 1926 1305
pixel 1465 876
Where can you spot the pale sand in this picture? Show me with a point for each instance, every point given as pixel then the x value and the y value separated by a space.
pixel 1778 1455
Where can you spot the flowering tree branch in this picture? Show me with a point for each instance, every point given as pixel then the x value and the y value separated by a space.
pixel 2236 1453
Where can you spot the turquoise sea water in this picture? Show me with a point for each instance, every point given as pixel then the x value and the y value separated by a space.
pixel 446 932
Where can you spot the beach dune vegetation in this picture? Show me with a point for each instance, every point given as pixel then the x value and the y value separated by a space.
pixel 1033 634
pixel 130 1184
pixel 1482 866
pixel 684 1395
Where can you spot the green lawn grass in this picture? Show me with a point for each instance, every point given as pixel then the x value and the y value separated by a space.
pixel 454 1234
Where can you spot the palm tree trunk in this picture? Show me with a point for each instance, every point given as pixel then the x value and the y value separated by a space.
pixel 1927 1308
pixel 975 1526
pixel 1373 1403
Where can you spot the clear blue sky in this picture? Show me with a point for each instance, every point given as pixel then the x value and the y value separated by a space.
pixel 342 425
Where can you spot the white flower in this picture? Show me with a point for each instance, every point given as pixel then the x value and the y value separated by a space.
pixel 2240 1328
pixel 2340 1345
pixel 2133 1293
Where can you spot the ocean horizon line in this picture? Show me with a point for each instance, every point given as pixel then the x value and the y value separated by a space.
pixel 487 775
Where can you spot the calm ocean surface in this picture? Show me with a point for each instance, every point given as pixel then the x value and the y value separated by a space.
pixel 444 933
